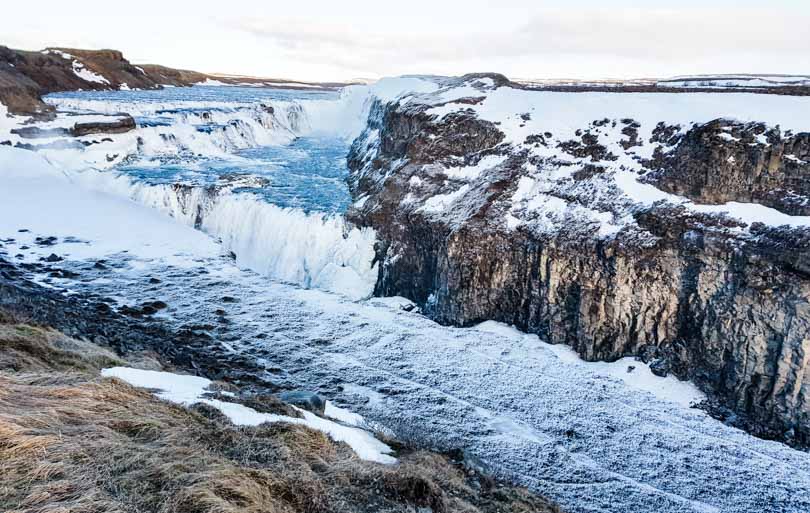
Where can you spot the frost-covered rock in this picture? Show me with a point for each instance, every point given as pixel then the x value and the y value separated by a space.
pixel 540 209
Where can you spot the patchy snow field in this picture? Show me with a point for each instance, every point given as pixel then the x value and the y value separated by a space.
pixel 562 117
pixel 189 390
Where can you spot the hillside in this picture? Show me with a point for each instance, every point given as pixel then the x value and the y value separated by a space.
pixel 25 76
pixel 75 438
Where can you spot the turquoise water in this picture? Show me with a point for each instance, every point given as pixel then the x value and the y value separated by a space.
pixel 309 173
pixel 235 95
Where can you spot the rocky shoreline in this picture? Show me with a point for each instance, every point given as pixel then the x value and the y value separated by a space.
pixel 696 294
pixel 92 318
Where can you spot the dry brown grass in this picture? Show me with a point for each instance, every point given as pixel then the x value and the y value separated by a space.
pixel 29 348
pixel 74 443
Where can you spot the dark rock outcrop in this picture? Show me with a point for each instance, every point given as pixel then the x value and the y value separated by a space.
pixel 724 306
pixel 119 126
pixel 26 76
pixel 724 161
pixel 306 400
pixel 91 318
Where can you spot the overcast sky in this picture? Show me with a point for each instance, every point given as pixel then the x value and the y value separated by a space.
pixel 338 40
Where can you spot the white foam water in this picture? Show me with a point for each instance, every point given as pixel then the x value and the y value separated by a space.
pixel 314 250
pixel 309 249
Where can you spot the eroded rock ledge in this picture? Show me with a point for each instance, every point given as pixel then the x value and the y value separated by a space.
pixel 489 205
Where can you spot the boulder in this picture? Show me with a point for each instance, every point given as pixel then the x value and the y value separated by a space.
pixel 117 126
pixel 305 400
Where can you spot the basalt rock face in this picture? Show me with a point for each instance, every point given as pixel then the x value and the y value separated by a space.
pixel 479 221
pixel 724 161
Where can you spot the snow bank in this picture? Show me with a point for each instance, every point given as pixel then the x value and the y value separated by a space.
pixel 6 121
pixel 188 390
pixel 90 76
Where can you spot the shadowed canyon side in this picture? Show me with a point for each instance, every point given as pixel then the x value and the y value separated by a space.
pixel 538 209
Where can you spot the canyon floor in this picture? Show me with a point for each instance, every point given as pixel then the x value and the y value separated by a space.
pixel 593 437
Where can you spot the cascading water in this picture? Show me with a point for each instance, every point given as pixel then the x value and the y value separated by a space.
pixel 263 174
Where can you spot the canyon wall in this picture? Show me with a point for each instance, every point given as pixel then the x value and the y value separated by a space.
pixel 552 225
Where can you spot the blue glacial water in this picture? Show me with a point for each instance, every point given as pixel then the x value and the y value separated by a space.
pixel 235 95
pixel 308 173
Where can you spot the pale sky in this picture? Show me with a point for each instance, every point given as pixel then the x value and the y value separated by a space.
pixel 339 40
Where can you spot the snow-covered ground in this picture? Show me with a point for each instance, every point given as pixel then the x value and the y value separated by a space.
pixel 547 198
pixel 741 81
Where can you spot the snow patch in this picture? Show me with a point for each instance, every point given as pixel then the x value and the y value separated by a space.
pixel 87 75
pixel 440 202
pixel 189 390
pixel 640 377
pixel 37 196
pixel 474 171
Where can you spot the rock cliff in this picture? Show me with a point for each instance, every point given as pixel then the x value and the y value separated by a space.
pixel 603 221
pixel 25 76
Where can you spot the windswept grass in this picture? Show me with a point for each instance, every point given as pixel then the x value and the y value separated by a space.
pixel 71 442
pixel 29 348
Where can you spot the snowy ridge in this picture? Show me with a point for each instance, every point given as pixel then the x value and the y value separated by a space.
pixel 565 133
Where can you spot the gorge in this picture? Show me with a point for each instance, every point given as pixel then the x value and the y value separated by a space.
pixel 650 247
